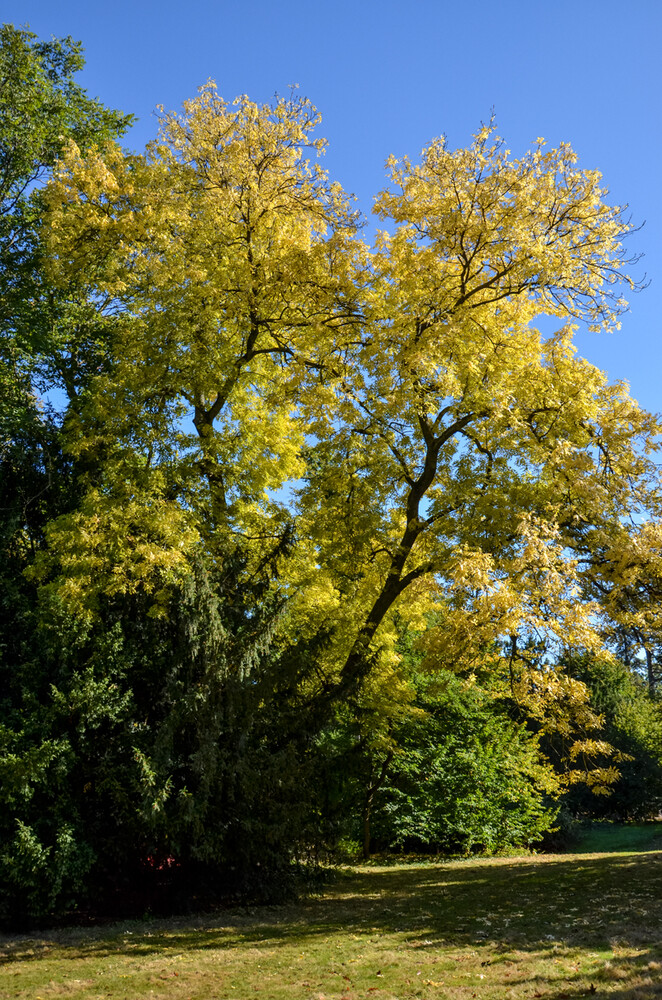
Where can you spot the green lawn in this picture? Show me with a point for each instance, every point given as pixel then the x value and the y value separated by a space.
pixel 600 837
pixel 554 926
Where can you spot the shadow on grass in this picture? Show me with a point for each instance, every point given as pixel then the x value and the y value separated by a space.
pixel 553 904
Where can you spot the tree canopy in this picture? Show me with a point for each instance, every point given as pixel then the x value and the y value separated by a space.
pixel 440 444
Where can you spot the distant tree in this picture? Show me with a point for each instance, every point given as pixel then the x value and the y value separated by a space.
pixel 633 726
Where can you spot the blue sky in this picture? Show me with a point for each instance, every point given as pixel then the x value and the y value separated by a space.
pixel 389 76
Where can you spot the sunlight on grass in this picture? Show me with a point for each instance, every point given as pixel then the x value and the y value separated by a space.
pixel 551 926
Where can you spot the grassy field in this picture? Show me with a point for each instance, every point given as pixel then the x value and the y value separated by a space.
pixel 552 926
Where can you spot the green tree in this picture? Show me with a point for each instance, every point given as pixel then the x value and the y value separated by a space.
pixel 44 858
pixel 41 108
pixel 633 726
pixel 450 773
pixel 468 777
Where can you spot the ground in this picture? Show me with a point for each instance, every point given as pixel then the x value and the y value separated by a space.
pixel 547 926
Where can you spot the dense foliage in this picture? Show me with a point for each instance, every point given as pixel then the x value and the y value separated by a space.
pixel 301 537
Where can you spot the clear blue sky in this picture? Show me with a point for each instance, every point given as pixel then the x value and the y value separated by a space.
pixel 389 76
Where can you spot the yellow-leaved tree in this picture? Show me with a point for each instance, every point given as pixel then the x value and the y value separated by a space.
pixel 471 459
pixel 390 432
pixel 228 258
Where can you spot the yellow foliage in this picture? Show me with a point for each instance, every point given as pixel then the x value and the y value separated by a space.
pixel 115 545
pixel 396 410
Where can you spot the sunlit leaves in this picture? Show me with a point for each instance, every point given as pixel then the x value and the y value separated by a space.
pixel 447 453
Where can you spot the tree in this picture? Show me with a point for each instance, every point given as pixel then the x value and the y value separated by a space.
pixel 41 108
pixel 488 441
pixel 45 342
pixel 448 445
pixel 467 778
pixel 440 768
pixel 43 857
pixel 624 571
pixel 633 725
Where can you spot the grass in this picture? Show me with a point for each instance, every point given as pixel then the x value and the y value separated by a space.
pixel 597 838
pixel 553 926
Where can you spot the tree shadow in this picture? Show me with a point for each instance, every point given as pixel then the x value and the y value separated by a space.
pixel 506 906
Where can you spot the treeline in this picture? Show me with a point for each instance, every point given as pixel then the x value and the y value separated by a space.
pixel 309 548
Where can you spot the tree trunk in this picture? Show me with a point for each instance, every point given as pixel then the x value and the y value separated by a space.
pixel 649 672
pixel 367 809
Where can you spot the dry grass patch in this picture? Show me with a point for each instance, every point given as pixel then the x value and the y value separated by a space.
pixel 550 927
